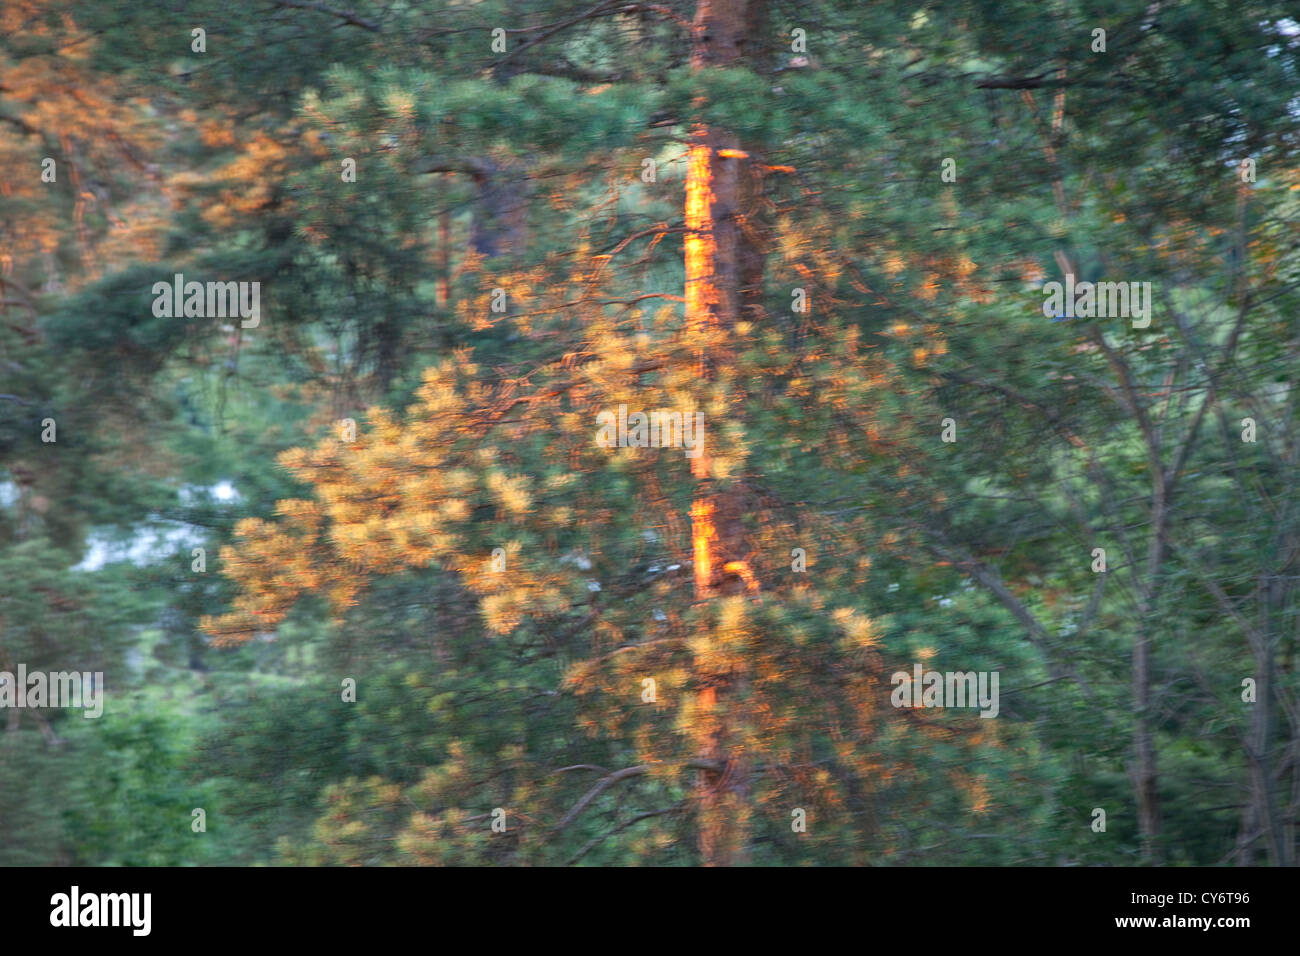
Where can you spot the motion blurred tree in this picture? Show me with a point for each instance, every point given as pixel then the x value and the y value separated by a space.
pixel 824 228
pixel 879 269
pixel 490 460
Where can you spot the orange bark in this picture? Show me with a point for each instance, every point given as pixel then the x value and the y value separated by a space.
pixel 715 258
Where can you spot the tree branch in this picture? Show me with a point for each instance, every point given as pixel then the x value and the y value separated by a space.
pixel 346 16
pixel 596 841
pixel 625 774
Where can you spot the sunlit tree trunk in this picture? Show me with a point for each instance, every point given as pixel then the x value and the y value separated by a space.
pixel 723 271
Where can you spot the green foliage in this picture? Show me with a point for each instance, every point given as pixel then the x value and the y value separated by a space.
pixel 972 555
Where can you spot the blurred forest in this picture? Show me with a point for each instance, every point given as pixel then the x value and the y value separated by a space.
pixel 477 225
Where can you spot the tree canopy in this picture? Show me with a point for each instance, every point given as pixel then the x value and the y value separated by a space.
pixel 399 572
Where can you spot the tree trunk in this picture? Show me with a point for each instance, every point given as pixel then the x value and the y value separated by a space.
pixel 723 274
pixel 1146 780
pixel 499 222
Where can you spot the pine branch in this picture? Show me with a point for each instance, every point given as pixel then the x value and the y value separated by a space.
pixel 346 16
